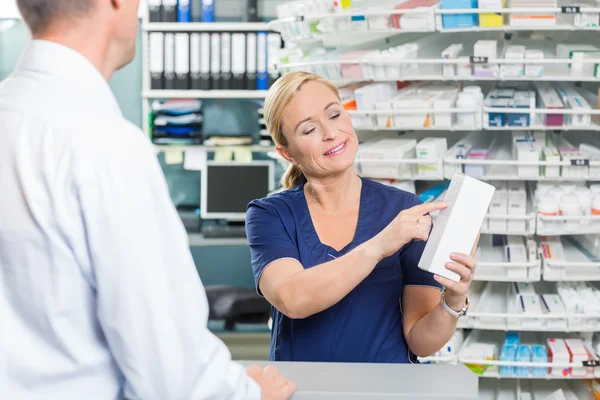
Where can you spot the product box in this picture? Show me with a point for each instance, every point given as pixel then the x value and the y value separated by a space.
pixel 531 69
pixel 554 305
pixel 491 19
pixel 527 151
pixel 576 52
pixel 486 48
pixel 517 205
pixel 451 52
pixel 513 53
pixel 539 355
pixel 523 355
pixel 516 253
pixel 387 149
pixel 416 119
pixel 552 250
pixel 499 206
pixel 457 226
pixel 508 353
pixel 551 154
pixel 558 353
pixel 578 103
pixel 548 98
pixel 431 149
pixel 569 154
pixel 578 354
pixel 441 119
pixel 450 21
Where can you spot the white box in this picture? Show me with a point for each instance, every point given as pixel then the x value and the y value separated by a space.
pixel 576 52
pixel 443 120
pixel 527 151
pixel 457 226
pixel 499 206
pixel 384 121
pixel 532 305
pixel 513 53
pixel 517 205
pixel 387 149
pixel 431 149
pixel 570 154
pixel 451 52
pixel 578 354
pixel 534 70
pixel 554 305
pixel 489 49
pixel 552 250
pixel 416 119
pixel 516 253
pixel 578 103
pixel 558 353
pixel 551 154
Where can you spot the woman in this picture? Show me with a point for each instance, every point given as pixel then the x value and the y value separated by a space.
pixel 335 254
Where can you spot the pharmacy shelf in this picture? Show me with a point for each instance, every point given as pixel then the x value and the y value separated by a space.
pixel 204 94
pixel 533 389
pixel 493 265
pixel 525 224
pixel 577 264
pixel 178 147
pixel 198 239
pixel 205 27
pixel 406 173
pixel 554 370
pixel 567 225
pixel 496 309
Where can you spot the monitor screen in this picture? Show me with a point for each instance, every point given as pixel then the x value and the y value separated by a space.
pixel 228 187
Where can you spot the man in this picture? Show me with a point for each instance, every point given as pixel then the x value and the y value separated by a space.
pixel 99 295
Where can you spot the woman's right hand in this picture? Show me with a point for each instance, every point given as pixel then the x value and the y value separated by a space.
pixel 411 224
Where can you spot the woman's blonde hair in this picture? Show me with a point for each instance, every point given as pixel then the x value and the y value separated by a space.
pixel 278 98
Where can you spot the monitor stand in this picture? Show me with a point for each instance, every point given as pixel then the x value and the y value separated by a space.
pixel 229 229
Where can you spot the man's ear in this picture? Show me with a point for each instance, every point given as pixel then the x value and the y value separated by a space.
pixel 284 152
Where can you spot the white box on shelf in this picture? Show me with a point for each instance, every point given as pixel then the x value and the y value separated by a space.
pixel 457 226
pixel 531 69
pixel 578 354
pixel 554 305
pixel 384 121
pixel 578 103
pixel 476 170
pixel 527 151
pixel 441 119
pixel 417 119
pixel 387 149
pixel 489 49
pixel 516 253
pixel 558 353
pixel 451 52
pixel 514 53
pixel 431 149
pixel 499 206
pixel 551 154
pixel 531 305
pixel 552 250
pixel 517 205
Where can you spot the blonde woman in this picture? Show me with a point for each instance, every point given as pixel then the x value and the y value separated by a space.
pixel 335 254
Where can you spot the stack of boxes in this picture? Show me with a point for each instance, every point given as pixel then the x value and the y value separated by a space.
pixel 387 149
pixel 510 98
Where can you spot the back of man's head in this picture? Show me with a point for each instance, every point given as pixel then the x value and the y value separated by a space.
pixel 39 14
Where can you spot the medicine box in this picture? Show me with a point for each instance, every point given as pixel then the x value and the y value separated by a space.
pixel 476 170
pixel 523 355
pixel 450 21
pixel 458 225
pixel 532 69
pixel 548 98
pixel 387 149
pixel 554 305
pixel 416 119
pixel 551 154
pixel 578 354
pixel 576 52
pixel 499 206
pixel 451 52
pixel 514 53
pixel 517 205
pixel 443 119
pixel 558 353
pixel 580 120
pixel 570 155
pixel 527 151
pixel 431 149
pixel 491 19
pixel 539 355
pixel 508 353
pixel 552 249
pixel 516 253
pixel 489 49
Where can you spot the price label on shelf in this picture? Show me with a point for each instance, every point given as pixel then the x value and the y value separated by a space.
pixel 580 163
pixel 591 363
pixel 479 60
pixel 571 10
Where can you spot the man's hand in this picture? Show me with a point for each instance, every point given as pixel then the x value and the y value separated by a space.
pixel 272 384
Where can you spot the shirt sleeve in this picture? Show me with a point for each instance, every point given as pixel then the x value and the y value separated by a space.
pixel 151 304
pixel 409 259
pixel 268 238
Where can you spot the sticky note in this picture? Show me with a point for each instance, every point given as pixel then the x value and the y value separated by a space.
pixel 173 156
pixel 223 154
pixel 195 159
pixel 242 154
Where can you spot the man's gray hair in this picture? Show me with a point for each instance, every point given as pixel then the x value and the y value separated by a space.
pixel 39 14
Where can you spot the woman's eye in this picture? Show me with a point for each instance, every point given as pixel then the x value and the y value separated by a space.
pixel 310 131
pixel 336 116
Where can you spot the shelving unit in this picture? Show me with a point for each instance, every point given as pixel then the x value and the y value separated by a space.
pixel 491 313
pixel 205 27
pixel 204 94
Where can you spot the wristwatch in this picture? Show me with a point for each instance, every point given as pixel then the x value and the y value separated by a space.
pixel 455 314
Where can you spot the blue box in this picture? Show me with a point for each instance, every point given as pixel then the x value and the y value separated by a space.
pixel 517 119
pixel 511 338
pixel 523 355
pixel 508 353
pixel 459 20
pixel 540 355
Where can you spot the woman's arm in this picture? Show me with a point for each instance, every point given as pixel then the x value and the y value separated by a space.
pixel 300 293
pixel 427 326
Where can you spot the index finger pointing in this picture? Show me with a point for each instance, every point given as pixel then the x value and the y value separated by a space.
pixel 425 208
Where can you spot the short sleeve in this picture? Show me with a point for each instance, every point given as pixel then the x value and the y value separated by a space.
pixel 409 260
pixel 268 237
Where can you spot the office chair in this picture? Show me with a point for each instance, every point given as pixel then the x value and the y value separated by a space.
pixel 237 305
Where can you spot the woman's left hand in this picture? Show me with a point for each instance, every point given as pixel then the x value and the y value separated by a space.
pixel 464 266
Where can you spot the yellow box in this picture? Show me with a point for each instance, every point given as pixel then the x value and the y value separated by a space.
pixel 490 19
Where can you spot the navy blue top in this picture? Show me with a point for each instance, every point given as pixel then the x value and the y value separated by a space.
pixel 366 325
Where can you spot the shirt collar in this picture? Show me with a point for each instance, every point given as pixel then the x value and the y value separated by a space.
pixel 65 63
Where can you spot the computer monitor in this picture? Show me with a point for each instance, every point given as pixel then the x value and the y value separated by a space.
pixel 228 186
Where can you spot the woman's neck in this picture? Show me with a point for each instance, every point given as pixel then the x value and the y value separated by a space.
pixel 334 193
